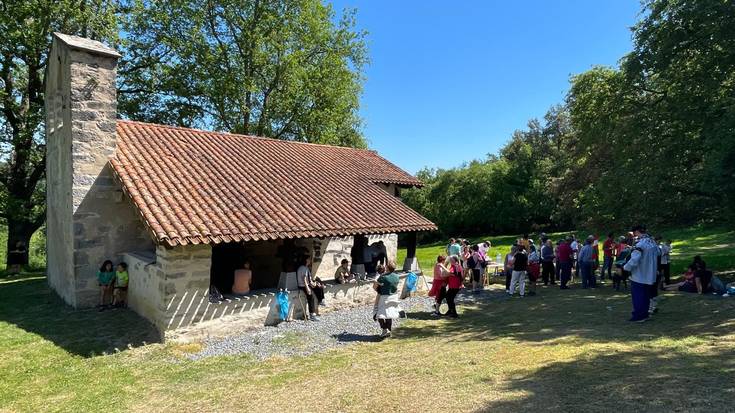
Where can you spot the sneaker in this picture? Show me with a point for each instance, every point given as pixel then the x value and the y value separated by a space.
pixel 436 314
pixel 385 333
pixel 322 304
pixel 642 320
pixel 313 317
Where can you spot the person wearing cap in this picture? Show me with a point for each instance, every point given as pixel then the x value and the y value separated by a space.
pixel 585 263
pixel 642 267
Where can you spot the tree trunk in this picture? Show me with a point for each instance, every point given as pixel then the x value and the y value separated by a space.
pixel 19 231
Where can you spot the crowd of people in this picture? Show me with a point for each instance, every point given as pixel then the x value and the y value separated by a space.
pixel 634 261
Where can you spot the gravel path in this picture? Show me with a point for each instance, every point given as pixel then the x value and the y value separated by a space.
pixel 334 329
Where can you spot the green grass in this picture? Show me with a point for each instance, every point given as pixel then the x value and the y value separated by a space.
pixel 36 250
pixel 715 245
pixel 559 351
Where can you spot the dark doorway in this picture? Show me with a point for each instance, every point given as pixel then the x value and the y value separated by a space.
pixel 226 258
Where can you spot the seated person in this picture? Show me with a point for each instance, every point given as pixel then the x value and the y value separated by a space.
pixel 694 281
pixel 342 275
pixel 120 296
pixel 243 280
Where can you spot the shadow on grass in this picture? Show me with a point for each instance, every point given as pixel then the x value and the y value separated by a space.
pixel 598 315
pixel 357 338
pixel 629 381
pixel 28 303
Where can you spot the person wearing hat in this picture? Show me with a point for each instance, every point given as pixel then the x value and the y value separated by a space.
pixel 642 267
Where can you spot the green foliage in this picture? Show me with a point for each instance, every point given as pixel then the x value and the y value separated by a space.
pixel 276 68
pixel 649 142
pixel 25 37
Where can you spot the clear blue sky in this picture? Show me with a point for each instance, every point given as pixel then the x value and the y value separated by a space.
pixel 449 81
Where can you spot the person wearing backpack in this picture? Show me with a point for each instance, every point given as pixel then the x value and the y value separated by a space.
pixel 520 266
pixel 475 264
pixel 547 263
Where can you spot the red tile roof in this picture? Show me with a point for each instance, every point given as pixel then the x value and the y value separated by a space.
pixel 194 186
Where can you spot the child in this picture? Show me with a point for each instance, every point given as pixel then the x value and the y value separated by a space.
pixel 121 285
pixel 105 278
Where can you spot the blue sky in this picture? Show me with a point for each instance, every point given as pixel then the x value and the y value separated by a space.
pixel 450 81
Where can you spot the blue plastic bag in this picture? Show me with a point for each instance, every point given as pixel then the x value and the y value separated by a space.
pixel 282 299
pixel 411 280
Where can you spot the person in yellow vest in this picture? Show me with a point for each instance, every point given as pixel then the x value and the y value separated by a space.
pixel 121 286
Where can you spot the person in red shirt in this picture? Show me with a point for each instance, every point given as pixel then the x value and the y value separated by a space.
pixel 608 251
pixel 564 257
pixel 454 284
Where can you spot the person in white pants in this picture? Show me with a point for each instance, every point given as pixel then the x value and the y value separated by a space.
pixel 520 265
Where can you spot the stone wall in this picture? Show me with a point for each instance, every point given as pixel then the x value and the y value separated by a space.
pixel 89 219
pixel 235 315
pixel 329 252
pixel 171 288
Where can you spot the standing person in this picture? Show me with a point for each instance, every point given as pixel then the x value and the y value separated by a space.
pixel 642 267
pixel 564 257
pixel 608 248
pixel 547 263
pixel 475 265
pixel 534 269
pixel 387 302
pixel 304 282
pixel 105 280
pixel 508 266
pixel 666 261
pixel 484 248
pixel 622 255
pixel 575 254
pixel 585 263
pixel 653 292
pixel 520 266
pixel 524 242
pixel 557 267
pixel 454 284
pixel 439 284
pixel 454 248
pixel 595 255
pixel 465 258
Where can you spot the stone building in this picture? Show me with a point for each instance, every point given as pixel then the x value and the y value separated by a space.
pixel 184 207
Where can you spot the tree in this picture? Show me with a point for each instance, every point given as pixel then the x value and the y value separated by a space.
pixel 275 68
pixel 25 37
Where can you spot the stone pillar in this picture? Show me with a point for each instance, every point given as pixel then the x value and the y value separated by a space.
pixel 88 219
pixel 184 289
pixel 411 263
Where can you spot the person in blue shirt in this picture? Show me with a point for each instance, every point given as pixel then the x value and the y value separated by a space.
pixel 642 266
pixel 585 263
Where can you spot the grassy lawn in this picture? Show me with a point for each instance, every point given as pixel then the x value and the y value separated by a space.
pixel 560 351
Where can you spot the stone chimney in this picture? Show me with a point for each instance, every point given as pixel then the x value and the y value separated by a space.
pixel 81 113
